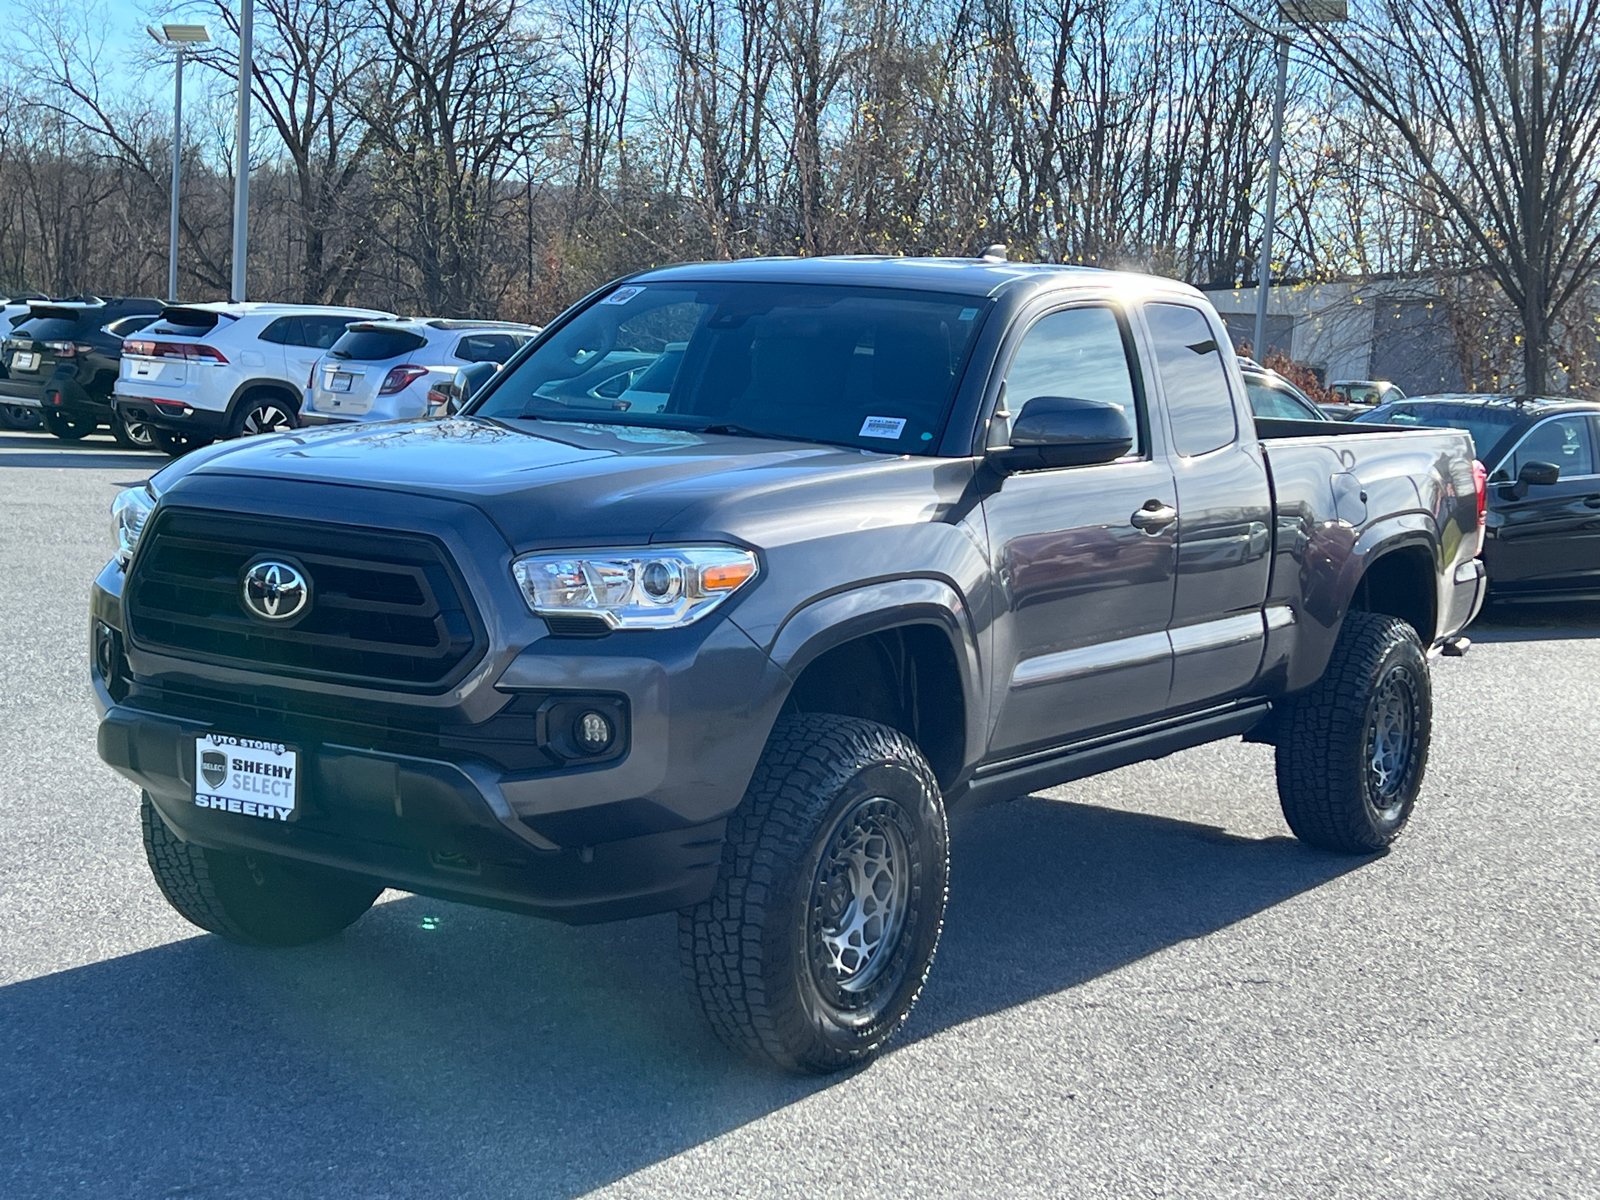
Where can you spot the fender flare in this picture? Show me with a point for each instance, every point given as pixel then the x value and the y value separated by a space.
pixel 832 620
pixel 269 384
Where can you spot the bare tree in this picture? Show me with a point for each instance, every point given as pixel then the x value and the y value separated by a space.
pixel 1498 104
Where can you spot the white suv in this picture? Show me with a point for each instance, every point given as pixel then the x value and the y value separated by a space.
pixel 207 371
pixel 381 370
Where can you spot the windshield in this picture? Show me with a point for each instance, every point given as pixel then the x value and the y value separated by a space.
pixel 854 366
pixel 1486 425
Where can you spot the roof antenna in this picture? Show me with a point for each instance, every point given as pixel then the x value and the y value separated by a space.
pixel 994 253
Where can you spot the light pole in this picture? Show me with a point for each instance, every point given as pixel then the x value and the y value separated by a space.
pixel 177 36
pixel 241 176
pixel 1290 14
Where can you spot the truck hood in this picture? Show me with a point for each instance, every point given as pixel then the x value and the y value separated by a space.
pixel 547 483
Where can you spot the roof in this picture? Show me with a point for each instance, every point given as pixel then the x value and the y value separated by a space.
pixel 449 323
pixel 262 308
pixel 1532 405
pixel 965 276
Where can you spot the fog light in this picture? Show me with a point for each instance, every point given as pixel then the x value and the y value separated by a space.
pixel 593 732
pixel 105 651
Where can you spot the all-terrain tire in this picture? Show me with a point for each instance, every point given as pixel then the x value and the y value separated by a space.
pixel 842 825
pixel 251 898
pixel 1353 748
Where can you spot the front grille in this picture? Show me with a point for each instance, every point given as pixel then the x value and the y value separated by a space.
pixel 386 608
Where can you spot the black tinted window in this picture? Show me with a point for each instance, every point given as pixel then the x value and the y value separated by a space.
pixel 375 345
pixel 1078 353
pixel 47 329
pixel 285 331
pixel 1193 378
pixel 486 347
pixel 129 325
pixel 323 332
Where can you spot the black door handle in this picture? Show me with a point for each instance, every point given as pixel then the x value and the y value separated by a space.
pixel 1154 516
pixel 1591 501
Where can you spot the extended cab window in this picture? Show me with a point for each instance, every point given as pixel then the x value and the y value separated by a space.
pixel 1193 379
pixel 1078 353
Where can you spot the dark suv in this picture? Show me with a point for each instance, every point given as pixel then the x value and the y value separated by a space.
pixel 65 358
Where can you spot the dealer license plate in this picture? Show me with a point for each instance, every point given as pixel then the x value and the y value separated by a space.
pixel 25 360
pixel 339 382
pixel 251 778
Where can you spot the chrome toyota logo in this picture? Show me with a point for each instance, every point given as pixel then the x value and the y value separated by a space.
pixel 275 591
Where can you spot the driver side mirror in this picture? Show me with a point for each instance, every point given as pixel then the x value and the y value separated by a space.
pixel 1533 474
pixel 1059 431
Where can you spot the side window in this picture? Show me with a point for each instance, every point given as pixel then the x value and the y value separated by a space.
pixel 323 332
pixel 486 347
pixel 285 331
pixel 1078 353
pixel 1193 379
pixel 1565 441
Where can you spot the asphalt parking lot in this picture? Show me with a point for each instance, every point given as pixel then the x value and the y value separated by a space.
pixel 1146 987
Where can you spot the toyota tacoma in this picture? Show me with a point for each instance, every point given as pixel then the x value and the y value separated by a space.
pixel 734 583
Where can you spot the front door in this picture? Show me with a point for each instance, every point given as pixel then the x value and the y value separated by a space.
pixel 1081 643
pixel 1549 538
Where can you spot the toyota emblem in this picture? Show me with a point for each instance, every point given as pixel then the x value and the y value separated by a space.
pixel 275 591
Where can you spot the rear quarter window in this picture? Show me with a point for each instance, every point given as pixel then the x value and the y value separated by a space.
pixel 487 347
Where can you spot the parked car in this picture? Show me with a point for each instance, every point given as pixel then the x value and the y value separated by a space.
pixel 449 396
pixel 1273 396
pixel 1542 456
pixel 380 370
pixel 208 371
pixel 1356 396
pixel 905 535
pixel 63 360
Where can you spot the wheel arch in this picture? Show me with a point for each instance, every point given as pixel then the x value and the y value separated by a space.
pixel 249 387
pixel 902 652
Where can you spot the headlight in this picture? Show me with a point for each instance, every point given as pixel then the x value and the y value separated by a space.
pixel 652 588
pixel 129 511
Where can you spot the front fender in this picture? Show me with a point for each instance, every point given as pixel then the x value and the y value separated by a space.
pixel 840 617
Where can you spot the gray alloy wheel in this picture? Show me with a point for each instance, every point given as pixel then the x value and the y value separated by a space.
pixel 134 435
pixel 268 414
pixel 819 934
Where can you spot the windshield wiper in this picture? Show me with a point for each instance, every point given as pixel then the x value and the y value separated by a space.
pixel 730 430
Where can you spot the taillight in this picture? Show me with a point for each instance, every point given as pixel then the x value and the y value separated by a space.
pixel 187 351
pixel 401 378
pixel 1480 481
pixel 61 349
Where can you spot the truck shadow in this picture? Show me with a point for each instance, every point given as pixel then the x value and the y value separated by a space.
pixel 97 451
pixel 439 1050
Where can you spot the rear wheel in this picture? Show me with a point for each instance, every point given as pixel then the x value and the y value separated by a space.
pixel 175 444
pixel 262 414
pixel 132 435
pixel 827 910
pixel 1353 748
pixel 251 898
pixel 69 429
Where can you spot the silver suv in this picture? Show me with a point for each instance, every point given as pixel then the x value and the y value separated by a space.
pixel 381 370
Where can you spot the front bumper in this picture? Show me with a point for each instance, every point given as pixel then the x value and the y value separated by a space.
pixel 436 828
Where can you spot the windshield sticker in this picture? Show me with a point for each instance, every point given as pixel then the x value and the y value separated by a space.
pixel 622 295
pixel 967 314
pixel 882 427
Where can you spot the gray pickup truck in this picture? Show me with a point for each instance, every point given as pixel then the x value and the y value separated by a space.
pixel 734 583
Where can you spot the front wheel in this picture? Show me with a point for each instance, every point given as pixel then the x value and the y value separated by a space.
pixel 251 898
pixel 1353 748
pixel 69 429
pixel 817 939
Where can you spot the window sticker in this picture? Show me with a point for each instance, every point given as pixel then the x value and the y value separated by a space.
pixel 622 295
pixel 882 427
pixel 967 314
